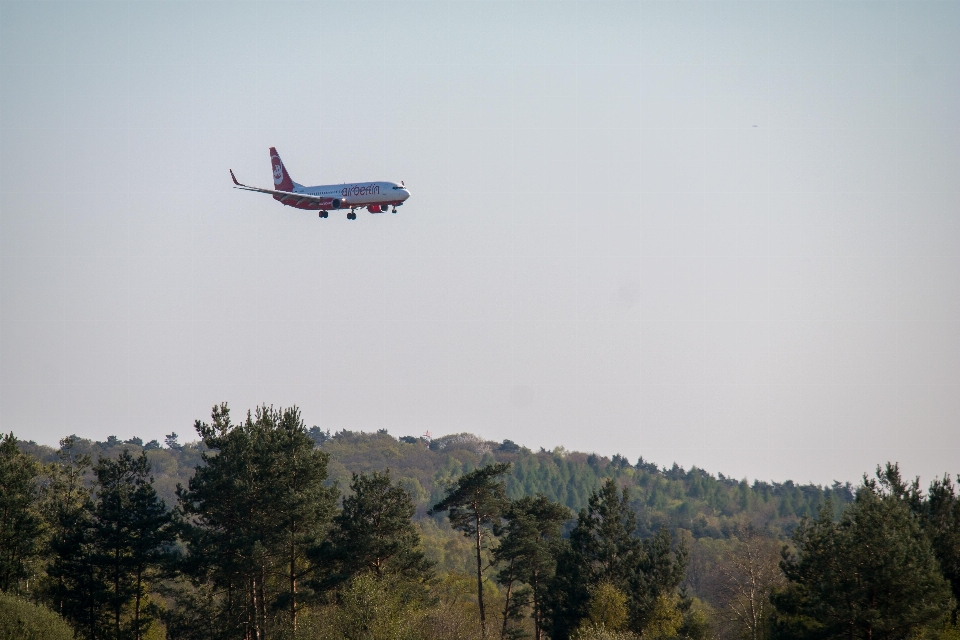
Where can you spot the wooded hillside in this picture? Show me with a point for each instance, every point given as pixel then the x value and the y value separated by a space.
pixel 706 504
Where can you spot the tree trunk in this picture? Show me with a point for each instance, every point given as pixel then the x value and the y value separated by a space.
pixel 293 585
pixel 483 619
pixel 262 626
pixel 506 611
pixel 537 632
pixel 116 592
pixel 136 610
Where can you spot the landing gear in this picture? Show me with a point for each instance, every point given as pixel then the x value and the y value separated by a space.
pixel 351 216
pixel 394 209
pixel 323 214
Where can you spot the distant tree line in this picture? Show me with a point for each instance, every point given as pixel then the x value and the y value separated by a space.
pixel 260 543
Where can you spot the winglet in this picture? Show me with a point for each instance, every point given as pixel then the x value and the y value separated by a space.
pixel 234 178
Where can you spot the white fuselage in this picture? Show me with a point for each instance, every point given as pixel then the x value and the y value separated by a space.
pixel 358 194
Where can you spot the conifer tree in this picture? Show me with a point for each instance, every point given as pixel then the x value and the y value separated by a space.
pixel 870 576
pixel 475 504
pixel 20 522
pixel 151 534
pixel 131 525
pixel 527 556
pixel 374 532
pixel 302 503
pixel 941 521
pixel 252 511
pixel 603 547
pixel 76 588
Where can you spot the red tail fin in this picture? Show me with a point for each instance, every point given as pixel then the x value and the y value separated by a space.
pixel 281 179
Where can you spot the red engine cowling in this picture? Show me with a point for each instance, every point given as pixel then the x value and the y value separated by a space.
pixel 376 208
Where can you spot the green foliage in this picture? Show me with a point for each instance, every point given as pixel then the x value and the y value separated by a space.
pixel 474 504
pixel 705 504
pixel 252 511
pixel 23 620
pixel 603 547
pixel 130 527
pixel 263 550
pixel 607 607
pixel 76 585
pixel 526 555
pixel 373 608
pixel 374 533
pixel 872 575
pixel 939 517
pixel 21 525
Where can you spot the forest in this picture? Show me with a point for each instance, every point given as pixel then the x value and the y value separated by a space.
pixel 265 528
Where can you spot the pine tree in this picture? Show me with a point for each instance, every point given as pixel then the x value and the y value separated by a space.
pixel 374 532
pixel 526 556
pixel 20 522
pixel 223 512
pixel 151 534
pixel 941 520
pixel 301 501
pixel 872 575
pixel 603 548
pixel 475 504
pixel 131 525
pixel 252 511
pixel 76 587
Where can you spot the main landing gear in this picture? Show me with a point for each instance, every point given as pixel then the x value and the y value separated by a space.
pixel 323 214
pixel 352 215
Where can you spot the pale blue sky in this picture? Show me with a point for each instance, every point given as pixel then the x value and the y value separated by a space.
pixel 718 233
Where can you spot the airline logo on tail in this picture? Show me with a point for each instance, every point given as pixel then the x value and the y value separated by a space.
pixel 281 179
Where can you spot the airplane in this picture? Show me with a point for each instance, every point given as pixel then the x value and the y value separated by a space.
pixel 377 197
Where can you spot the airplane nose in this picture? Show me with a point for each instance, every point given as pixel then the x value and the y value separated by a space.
pixel 406 194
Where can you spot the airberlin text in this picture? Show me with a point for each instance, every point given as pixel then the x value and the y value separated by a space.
pixel 365 190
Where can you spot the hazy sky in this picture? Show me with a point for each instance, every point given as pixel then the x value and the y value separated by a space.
pixel 725 234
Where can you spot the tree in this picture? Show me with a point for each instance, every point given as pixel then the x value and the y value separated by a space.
pixel 474 505
pixel 221 520
pixel 76 588
pixel 131 525
pixel 743 581
pixel 252 511
pixel 296 490
pixel 527 556
pixel 150 535
pixel 607 608
pixel 374 533
pixel 940 518
pixel 872 575
pixel 372 608
pixel 24 620
pixel 172 441
pixel 603 547
pixel 20 522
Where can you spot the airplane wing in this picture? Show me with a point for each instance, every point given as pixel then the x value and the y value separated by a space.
pixel 285 196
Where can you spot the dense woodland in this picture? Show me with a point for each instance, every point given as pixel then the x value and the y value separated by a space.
pixel 265 528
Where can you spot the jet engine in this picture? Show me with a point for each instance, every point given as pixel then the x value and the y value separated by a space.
pixel 376 208
pixel 335 203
